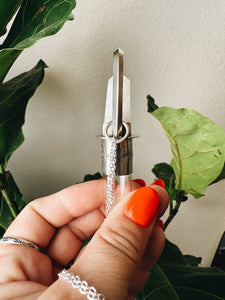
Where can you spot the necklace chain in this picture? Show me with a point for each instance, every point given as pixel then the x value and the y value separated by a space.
pixel 111 177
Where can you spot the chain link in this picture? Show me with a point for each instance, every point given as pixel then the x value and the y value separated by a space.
pixel 82 286
pixel 111 177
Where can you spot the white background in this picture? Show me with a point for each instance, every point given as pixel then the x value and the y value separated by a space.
pixel 174 50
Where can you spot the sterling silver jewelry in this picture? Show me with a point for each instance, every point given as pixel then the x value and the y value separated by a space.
pixel 82 286
pixel 17 241
pixel 111 177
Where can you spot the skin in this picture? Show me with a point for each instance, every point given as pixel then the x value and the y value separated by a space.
pixel 117 260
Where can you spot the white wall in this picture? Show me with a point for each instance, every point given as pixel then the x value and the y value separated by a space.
pixel 174 50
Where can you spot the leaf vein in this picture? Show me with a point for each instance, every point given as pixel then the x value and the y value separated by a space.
pixel 167 280
pixel 13 45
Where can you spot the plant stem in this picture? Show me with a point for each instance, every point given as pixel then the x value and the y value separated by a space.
pixel 171 206
pixel 172 215
pixel 10 204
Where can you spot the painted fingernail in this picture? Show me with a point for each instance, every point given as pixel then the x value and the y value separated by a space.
pixel 159 182
pixel 159 223
pixel 141 182
pixel 142 206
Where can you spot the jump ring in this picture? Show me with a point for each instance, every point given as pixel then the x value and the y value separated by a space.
pixel 105 133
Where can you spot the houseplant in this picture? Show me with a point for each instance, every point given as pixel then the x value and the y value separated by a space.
pixel 33 21
pixel 198 148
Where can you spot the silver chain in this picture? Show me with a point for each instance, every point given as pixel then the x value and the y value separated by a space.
pixel 111 177
pixel 82 286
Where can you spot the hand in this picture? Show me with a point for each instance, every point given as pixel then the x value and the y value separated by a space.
pixel 117 260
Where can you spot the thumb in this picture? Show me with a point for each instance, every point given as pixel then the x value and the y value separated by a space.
pixel 116 250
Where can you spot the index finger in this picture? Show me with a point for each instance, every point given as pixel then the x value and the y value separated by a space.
pixel 39 219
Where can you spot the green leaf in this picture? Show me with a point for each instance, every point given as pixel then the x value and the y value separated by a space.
pixel 198 148
pixel 90 177
pixel 15 196
pixel 165 172
pixel 36 19
pixel 221 176
pixel 193 260
pixel 7 10
pixel 151 104
pixel 14 192
pixel 14 96
pixel 7 58
pixel 173 278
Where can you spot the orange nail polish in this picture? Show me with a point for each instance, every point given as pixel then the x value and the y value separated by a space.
pixel 159 223
pixel 141 182
pixel 142 206
pixel 159 182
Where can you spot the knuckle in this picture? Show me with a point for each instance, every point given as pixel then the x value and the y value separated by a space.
pixel 124 241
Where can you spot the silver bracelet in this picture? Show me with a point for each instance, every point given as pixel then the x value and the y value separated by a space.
pixel 82 286
pixel 17 241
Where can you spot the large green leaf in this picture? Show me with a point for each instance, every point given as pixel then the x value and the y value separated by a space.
pixel 36 19
pixel 173 278
pixel 7 10
pixel 14 96
pixel 198 148
pixel 16 198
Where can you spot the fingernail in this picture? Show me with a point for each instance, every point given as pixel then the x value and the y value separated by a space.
pixel 141 182
pixel 142 206
pixel 159 182
pixel 159 223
